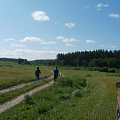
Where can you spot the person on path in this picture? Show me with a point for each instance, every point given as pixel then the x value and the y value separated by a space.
pixel 55 72
pixel 37 73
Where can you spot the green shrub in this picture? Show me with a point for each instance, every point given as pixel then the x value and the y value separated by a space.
pixel 74 81
pixel 79 82
pixel 41 107
pixel 76 68
pixel 87 89
pixel 103 69
pixel 117 71
pixel 28 99
pixel 112 70
pixel 78 93
pixel 1 95
pixel 65 96
pixel 65 82
pixel 88 75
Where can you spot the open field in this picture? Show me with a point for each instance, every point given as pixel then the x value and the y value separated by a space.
pixel 97 100
pixel 14 83
pixel 12 74
pixel 101 103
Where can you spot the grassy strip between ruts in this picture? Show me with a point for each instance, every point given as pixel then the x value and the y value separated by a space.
pixel 4 97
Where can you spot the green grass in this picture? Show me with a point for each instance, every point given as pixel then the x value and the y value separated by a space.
pixel 49 102
pixel 69 101
pixel 4 97
pixel 12 74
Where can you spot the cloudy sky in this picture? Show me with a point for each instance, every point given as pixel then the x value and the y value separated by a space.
pixel 40 29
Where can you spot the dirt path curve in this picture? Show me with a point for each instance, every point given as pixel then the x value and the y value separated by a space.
pixel 18 99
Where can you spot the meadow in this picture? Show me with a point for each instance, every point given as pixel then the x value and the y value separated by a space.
pixel 79 95
pixel 12 74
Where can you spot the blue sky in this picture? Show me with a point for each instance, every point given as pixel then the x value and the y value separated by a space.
pixel 40 29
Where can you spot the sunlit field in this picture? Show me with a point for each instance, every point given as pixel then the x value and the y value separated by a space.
pixel 68 98
pixel 12 74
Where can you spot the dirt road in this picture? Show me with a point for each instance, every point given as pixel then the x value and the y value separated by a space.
pixel 11 103
pixel 18 99
pixel 19 86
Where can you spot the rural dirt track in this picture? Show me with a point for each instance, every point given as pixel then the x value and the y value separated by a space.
pixel 19 86
pixel 11 103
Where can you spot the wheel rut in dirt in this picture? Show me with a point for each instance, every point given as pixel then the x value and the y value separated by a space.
pixel 11 103
pixel 20 86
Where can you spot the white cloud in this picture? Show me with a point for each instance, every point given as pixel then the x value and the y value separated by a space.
pixel 87 6
pixel 69 40
pixel 16 45
pixel 70 45
pixel 108 46
pixel 66 39
pixel 73 40
pixel 114 15
pixel 60 37
pixel 31 39
pixel 46 48
pixel 102 45
pixel 40 16
pixel 100 6
pixel 30 54
pixel 89 50
pixel 70 25
pixel 56 23
pixel 52 42
pixel 9 39
pixel 112 46
pixel 90 41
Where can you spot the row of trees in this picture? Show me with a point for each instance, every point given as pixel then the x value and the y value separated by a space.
pixel 38 62
pixel 96 58
pixel 19 60
pixel 24 61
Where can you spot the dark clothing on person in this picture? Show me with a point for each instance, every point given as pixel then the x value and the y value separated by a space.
pixel 56 72
pixel 37 73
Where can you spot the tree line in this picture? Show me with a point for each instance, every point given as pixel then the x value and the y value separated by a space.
pixel 19 60
pixel 24 61
pixel 95 58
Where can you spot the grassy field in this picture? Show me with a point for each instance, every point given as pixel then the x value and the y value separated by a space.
pixel 95 101
pixel 101 103
pixel 12 74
